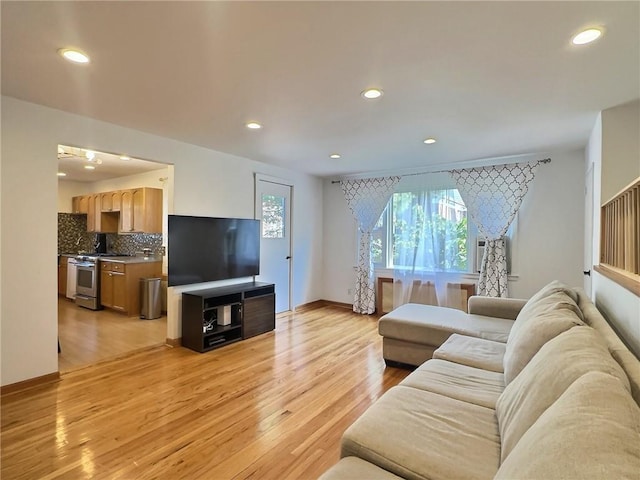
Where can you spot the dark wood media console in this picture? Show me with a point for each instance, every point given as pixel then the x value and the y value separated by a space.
pixel 219 316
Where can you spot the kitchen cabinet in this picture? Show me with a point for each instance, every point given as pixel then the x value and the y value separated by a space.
pixel 141 210
pixel 136 210
pixel 62 275
pixel 80 204
pixel 99 221
pixel 113 286
pixel 120 284
pixel 110 201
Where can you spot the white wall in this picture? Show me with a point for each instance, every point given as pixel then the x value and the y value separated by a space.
pixel 614 149
pixel 206 182
pixel 549 237
pixel 68 189
pixel 620 148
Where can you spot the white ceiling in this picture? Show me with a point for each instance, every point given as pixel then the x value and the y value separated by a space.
pixel 487 79
pixel 73 160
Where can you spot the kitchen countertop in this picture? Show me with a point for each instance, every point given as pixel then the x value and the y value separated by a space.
pixel 123 259
pixel 131 259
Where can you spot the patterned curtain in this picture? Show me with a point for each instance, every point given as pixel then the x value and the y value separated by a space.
pixel 493 196
pixel 367 200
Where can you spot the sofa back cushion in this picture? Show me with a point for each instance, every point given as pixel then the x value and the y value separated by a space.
pixel 532 334
pixel 547 299
pixel 558 364
pixel 591 432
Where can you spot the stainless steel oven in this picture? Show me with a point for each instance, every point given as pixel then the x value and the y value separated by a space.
pixel 87 283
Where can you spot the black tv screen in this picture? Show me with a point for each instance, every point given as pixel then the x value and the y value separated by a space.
pixel 204 249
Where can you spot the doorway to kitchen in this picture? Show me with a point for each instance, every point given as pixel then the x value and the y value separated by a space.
pixel 112 217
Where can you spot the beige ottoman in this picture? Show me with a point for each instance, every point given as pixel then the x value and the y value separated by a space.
pixel 413 331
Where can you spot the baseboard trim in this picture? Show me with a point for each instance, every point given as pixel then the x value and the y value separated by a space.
pixel 331 303
pixel 174 342
pixel 305 307
pixel 321 303
pixel 30 383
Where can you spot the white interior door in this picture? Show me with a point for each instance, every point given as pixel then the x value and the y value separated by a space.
pixel 588 229
pixel 273 209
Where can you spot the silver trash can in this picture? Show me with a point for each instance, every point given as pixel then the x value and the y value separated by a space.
pixel 150 306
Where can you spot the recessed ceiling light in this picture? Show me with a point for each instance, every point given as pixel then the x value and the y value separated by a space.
pixel 89 167
pixel 254 125
pixel 587 36
pixel 372 93
pixel 125 157
pixel 62 174
pixel 74 55
pixel 335 155
pixel 429 141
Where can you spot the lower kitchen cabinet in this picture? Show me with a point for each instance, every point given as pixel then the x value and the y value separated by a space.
pixel 120 284
pixel 62 275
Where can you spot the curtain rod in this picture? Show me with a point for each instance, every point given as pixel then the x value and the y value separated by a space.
pixel 544 160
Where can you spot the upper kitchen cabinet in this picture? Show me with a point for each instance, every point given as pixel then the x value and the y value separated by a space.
pixel 110 201
pixel 141 210
pixel 80 204
pixel 99 221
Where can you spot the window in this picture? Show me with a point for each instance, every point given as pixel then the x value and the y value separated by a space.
pixel 273 215
pixel 423 230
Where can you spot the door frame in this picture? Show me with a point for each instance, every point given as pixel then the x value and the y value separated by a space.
pixel 260 177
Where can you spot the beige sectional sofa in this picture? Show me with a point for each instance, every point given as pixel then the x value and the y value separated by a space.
pixel 555 395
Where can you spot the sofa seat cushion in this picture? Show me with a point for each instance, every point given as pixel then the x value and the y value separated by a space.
pixel 423 435
pixel 532 335
pixel 591 432
pixel 558 364
pixel 432 325
pixel 469 384
pixel 472 351
pixel 354 468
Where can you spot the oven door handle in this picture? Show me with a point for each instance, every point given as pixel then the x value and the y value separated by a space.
pixel 85 265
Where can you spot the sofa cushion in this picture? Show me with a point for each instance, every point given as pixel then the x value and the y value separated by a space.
pixel 532 335
pixel 591 432
pixel 431 325
pixel 472 351
pixel 558 364
pixel 354 468
pixel 469 384
pixel 535 307
pixel 551 288
pixel 423 435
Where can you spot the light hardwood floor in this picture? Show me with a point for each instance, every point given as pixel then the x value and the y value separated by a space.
pixel 271 407
pixel 88 337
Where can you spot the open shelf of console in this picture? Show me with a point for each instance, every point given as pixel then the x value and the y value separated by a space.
pixel 219 316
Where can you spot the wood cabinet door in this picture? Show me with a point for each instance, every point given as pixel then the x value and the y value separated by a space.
pixel 80 204
pixel 62 276
pixel 115 201
pixel 138 210
pixel 258 315
pixel 106 288
pixel 106 202
pixel 126 211
pixel 119 282
pixel 91 214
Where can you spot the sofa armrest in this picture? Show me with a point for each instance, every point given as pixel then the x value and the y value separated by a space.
pixel 496 307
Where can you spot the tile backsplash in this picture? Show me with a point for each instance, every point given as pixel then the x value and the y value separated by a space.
pixel 73 236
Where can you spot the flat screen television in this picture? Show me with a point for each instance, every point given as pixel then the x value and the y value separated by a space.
pixel 204 249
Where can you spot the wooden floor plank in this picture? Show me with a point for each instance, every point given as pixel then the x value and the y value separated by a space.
pixel 90 336
pixel 272 407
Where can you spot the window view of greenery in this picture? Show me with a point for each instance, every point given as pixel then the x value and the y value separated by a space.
pixel 272 216
pixel 426 230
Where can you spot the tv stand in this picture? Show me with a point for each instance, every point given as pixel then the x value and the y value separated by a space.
pixel 215 317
